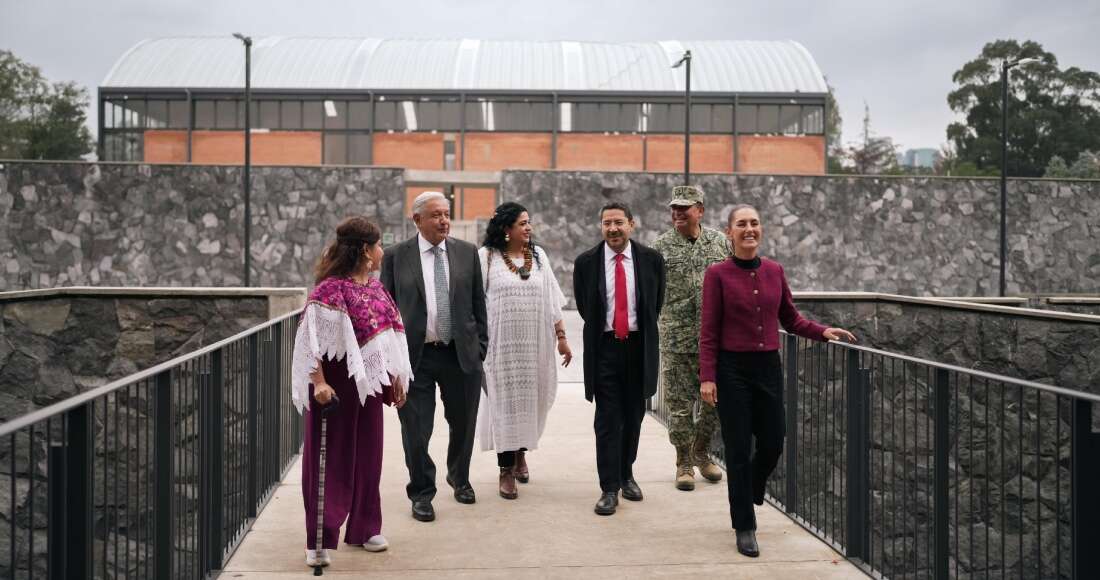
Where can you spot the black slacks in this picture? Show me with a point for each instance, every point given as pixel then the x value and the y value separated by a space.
pixel 750 404
pixel 460 393
pixel 620 408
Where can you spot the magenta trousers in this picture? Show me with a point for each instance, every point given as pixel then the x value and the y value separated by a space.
pixel 353 463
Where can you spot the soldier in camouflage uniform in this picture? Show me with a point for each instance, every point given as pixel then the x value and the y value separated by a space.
pixel 688 249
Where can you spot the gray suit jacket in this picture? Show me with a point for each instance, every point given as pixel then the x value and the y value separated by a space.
pixel 403 278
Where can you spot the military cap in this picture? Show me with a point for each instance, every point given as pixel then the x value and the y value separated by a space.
pixel 686 195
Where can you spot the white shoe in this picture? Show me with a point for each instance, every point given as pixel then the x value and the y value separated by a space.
pixel 376 544
pixel 315 557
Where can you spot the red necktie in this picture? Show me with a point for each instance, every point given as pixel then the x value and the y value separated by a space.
pixel 622 327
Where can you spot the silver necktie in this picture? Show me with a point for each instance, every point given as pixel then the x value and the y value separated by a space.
pixel 442 298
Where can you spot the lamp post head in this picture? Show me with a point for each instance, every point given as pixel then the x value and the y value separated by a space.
pixel 247 40
pixel 683 59
pixel 1007 64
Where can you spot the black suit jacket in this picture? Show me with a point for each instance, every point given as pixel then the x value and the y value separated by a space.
pixel 590 293
pixel 403 277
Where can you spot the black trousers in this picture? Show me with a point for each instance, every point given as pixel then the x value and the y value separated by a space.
pixel 620 408
pixel 750 404
pixel 461 393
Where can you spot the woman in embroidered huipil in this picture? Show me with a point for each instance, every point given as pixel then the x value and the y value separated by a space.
pixel 351 344
pixel 745 299
pixel 523 302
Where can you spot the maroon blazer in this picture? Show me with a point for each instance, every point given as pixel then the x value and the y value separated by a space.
pixel 742 311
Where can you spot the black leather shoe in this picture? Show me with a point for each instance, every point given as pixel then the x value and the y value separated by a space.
pixel 746 543
pixel 423 510
pixel 607 504
pixel 631 491
pixel 465 494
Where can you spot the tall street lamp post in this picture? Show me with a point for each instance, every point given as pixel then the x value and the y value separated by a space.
pixel 1005 67
pixel 686 60
pixel 247 177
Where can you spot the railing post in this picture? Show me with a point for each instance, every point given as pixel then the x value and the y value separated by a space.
pixel 164 474
pixel 1084 502
pixel 251 496
pixel 275 386
pixel 212 399
pixel 857 478
pixel 69 539
pixel 790 352
pixel 941 449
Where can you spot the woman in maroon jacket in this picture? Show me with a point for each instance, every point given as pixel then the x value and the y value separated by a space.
pixel 745 299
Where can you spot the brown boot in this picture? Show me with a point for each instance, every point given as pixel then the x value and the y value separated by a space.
pixel 707 467
pixel 685 473
pixel 522 474
pixel 508 483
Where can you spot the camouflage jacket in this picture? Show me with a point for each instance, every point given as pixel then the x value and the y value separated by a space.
pixel 685 264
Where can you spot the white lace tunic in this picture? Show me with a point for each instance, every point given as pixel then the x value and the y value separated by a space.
pixel 521 373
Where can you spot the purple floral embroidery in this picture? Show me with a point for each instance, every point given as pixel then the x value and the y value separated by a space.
pixel 369 306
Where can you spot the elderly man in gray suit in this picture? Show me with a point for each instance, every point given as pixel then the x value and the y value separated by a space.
pixel 436 282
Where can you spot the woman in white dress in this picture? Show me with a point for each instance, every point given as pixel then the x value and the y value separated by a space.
pixel 524 303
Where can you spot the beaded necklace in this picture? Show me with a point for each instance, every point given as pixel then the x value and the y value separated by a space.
pixel 523 271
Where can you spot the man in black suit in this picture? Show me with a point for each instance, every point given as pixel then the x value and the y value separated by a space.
pixel 619 287
pixel 436 282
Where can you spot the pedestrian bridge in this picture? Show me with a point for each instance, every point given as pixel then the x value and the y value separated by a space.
pixel 895 466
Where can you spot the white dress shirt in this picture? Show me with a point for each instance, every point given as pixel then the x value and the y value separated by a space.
pixel 609 277
pixel 427 266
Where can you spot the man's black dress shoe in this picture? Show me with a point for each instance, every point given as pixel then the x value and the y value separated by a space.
pixel 423 510
pixel 607 504
pixel 631 491
pixel 465 494
pixel 746 543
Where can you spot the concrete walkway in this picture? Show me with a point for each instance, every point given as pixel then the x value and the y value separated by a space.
pixel 550 531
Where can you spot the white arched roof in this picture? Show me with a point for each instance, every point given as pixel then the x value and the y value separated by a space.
pixel 721 66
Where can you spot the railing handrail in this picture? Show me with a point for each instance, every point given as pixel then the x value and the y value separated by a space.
pixel 82 398
pixel 1063 391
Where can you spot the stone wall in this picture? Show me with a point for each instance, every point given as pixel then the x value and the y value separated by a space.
pixel 56 344
pixel 916 236
pixel 71 224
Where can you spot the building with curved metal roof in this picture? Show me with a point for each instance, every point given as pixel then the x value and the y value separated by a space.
pixel 463 104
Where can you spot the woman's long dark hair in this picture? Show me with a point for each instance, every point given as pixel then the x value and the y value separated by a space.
pixel 506 216
pixel 342 257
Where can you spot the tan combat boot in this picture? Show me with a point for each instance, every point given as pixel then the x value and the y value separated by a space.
pixel 707 467
pixel 685 473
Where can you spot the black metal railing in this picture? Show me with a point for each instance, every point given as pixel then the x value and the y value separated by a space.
pixel 156 475
pixel 918 469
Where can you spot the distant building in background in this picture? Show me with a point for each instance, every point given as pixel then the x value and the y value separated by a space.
pixel 468 105
pixel 926 157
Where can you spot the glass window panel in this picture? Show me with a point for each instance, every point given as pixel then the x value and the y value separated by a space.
pixel 407 119
pixel 269 115
pixel 177 114
pixel 108 116
pixel 628 117
pixel 427 116
pixel 157 114
pixel 336 149
pixel 204 114
pixel 565 116
pixel 700 118
pixel 385 116
pixel 227 115
pixel 767 119
pixel 340 119
pixel 359 150
pixel 450 116
pixel 135 114
pixel 542 116
pixel 789 118
pixel 746 119
pixel 291 115
pixel 510 116
pixel 359 115
pixel 813 120
pixel 313 114
pixel 721 118
pixel 666 118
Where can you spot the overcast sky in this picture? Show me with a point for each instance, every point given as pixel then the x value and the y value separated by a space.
pixel 897 57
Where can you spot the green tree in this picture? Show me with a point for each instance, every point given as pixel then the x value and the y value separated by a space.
pixel 1087 166
pixel 1051 111
pixel 834 132
pixel 39 120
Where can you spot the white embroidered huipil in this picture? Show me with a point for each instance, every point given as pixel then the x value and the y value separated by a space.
pixel 521 373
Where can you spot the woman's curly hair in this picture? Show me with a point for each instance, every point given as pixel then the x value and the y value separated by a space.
pixel 506 216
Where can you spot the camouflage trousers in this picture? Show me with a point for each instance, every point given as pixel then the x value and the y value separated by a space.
pixel 680 376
